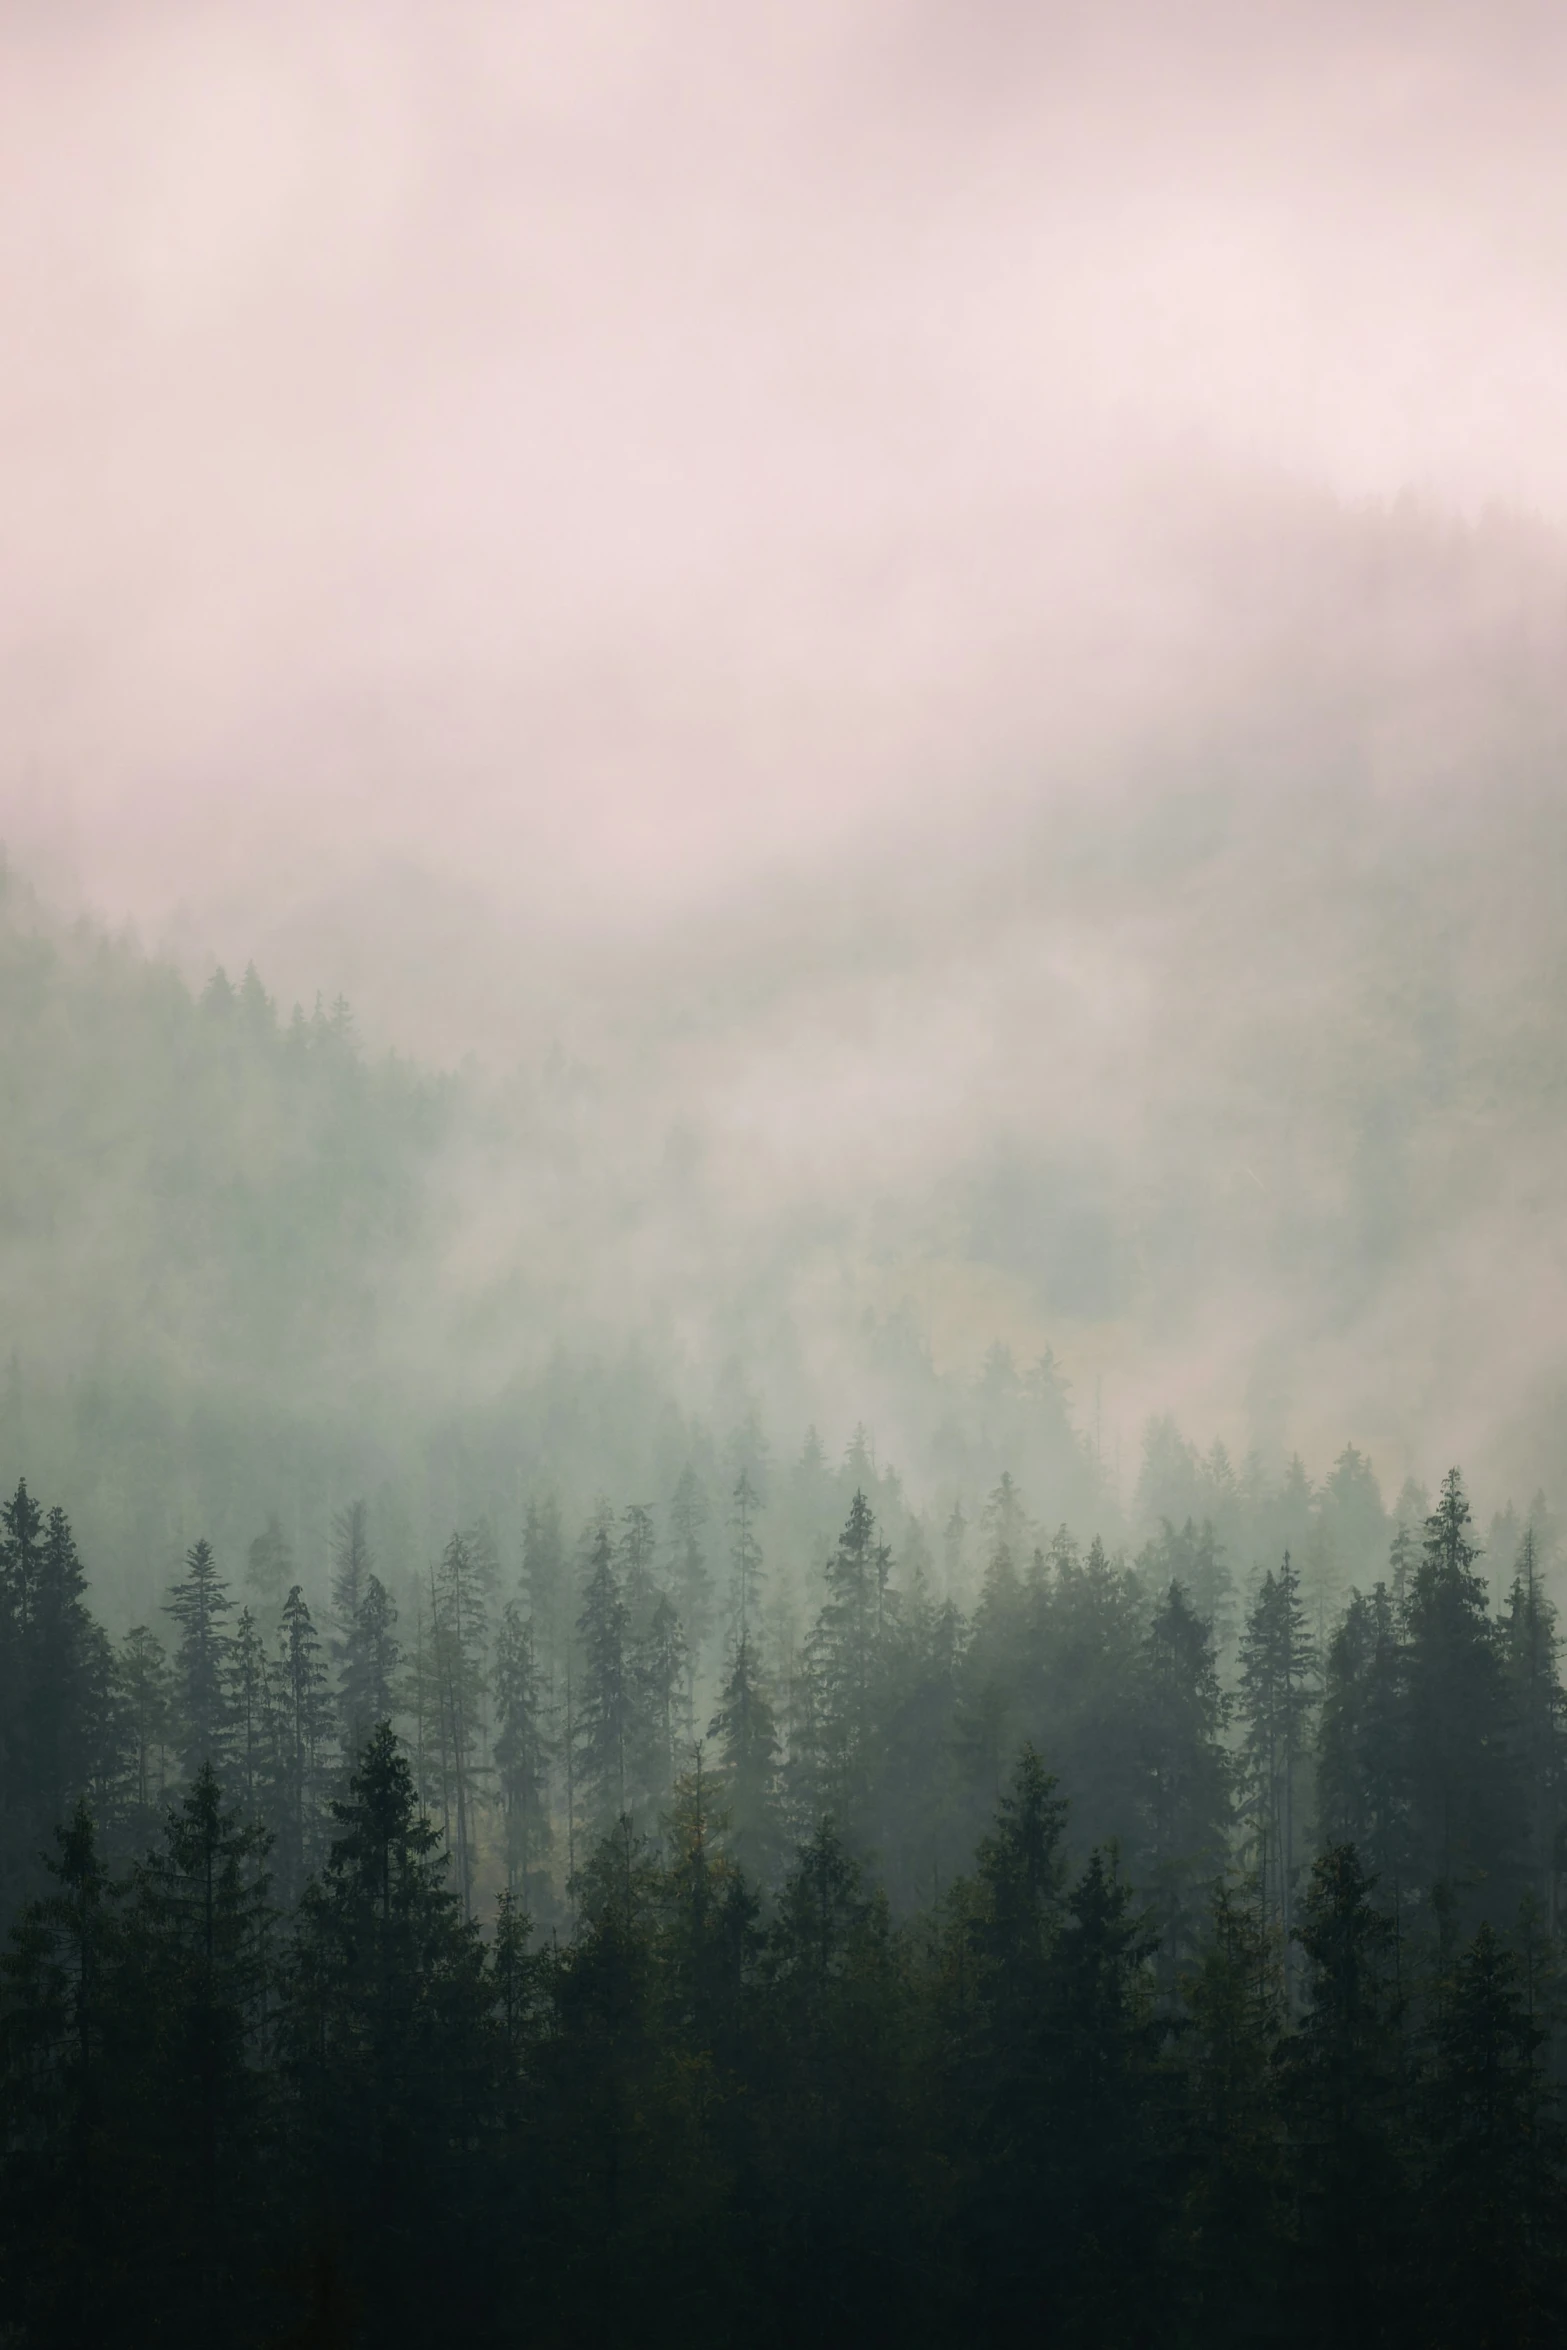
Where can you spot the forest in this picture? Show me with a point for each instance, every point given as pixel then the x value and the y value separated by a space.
pixel 1155 1950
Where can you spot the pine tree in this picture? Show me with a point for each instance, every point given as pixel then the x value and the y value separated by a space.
pixel 459 1630
pixel 302 1719
pixel 545 1585
pixel 521 1753
pixel 1277 1699
pixel 637 1551
pixel 198 1605
pixel 250 1708
pixel 384 2020
pixel 1531 1650
pixel 1362 1750
pixel 1107 2184
pixel 62 2197
pixel 659 1682
pixel 690 1580
pixel 603 1724
pixel 745 1554
pixel 1186 1786
pixel 60 1736
pixel 199 1928
pixel 1491 2195
pixel 1343 2078
pixel 844 1654
pixel 368 1662
pixel 747 1734
pixel 144 1710
pixel 1466 1809
pixel 1237 2207
pixel 353 1564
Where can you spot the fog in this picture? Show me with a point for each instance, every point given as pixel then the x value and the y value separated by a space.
pixel 953 616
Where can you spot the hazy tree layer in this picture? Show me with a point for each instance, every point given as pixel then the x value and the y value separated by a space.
pixel 526 2012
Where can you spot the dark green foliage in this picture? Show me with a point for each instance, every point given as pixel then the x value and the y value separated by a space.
pixel 748 1758
pixel 1345 2100
pixel 1493 2220
pixel 1186 1773
pixel 1277 1701
pixel 198 1605
pixel 521 1752
pixel 271 2081
pixel 1466 1812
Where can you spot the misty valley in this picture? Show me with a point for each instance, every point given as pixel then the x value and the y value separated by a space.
pixel 508 1855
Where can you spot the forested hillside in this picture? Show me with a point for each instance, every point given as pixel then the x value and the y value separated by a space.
pixel 1162 1950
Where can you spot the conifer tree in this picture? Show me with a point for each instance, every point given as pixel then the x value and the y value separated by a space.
pixel 302 1719
pixel 521 1753
pixel 1492 2197
pixel 62 2196
pixel 545 1585
pixel 1343 2086
pixel 1362 1752
pixel 253 1762
pixel 659 1682
pixel 143 1689
pixel 353 1564
pixel 745 1554
pixel 198 1605
pixel 1236 2220
pixel 61 1736
pixel 747 1733
pixel 384 2018
pixel 459 1628
pixel 199 1925
pixel 1466 1809
pixel 1186 1790
pixel 691 1581
pixel 1531 1650
pixel 1277 1698
pixel 1107 2181
pixel 604 1699
pixel 368 1662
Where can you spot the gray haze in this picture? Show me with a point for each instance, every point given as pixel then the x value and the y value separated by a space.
pixel 936 633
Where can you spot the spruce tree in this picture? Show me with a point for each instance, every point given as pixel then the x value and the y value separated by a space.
pixel 457 1662
pixel 199 1926
pixel 1467 1826
pixel 353 1564
pixel 745 1554
pixel 691 1580
pixel 1344 2077
pixel 368 1662
pixel 1531 1652
pixel 1236 2215
pixel 1187 1776
pixel 143 1687
pixel 603 1724
pixel 747 1733
pixel 521 1754
pixel 1363 1792
pixel 1277 1699
pixel 844 1654
pixel 1492 2197
pixel 253 1760
pixel 302 1761
pixel 198 1605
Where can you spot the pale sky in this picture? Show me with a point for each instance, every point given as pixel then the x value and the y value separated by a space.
pixel 700 509
pixel 602 449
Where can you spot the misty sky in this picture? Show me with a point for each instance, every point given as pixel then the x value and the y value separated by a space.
pixel 833 550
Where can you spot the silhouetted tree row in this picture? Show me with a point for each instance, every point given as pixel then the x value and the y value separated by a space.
pixel 964 1976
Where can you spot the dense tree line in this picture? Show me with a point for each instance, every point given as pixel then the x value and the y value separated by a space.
pixel 579 1953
